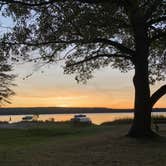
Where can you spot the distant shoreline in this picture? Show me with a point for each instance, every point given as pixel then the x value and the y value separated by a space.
pixel 65 110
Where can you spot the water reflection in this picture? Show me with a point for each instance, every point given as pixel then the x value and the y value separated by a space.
pixel 96 118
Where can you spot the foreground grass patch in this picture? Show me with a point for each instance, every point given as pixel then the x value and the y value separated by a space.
pixel 67 145
pixel 43 132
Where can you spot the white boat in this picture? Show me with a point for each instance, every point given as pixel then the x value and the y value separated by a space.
pixel 81 118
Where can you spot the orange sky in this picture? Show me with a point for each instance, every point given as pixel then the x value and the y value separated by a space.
pixel 108 88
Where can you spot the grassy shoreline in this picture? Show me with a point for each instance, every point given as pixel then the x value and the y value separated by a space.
pixel 127 120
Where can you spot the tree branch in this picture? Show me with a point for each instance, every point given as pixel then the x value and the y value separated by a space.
pixel 48 2
pixel 54 1
pixel 98 56
pixel 117 45
pixel 157 20
pixel 157 95
pixel 28 3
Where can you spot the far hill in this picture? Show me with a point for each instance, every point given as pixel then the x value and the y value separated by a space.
pixel 64 110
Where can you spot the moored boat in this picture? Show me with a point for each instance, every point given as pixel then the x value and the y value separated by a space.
pixel 81 119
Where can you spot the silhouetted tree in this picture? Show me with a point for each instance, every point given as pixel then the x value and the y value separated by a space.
pixel 124 34
pixel 6 80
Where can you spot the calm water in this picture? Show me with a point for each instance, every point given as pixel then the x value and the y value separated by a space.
pixel 96 118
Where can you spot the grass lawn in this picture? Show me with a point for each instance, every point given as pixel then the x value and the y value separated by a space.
pixel 65 145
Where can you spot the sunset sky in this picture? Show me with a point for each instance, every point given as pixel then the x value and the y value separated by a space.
pixel 108 88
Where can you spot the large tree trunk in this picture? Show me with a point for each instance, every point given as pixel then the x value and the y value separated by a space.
pixel 142 108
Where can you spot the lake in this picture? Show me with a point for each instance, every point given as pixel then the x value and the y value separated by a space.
pixel 97 118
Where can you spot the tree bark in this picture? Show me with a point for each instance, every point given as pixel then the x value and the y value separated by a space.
pixel 141 125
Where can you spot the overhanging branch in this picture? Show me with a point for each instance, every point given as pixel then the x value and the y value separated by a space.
pixel 157 20
pixel 23 3
pixel 115 44
pixel 98 56
pixel 157 95
pixel 46 2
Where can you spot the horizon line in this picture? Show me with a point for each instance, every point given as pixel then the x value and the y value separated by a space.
pixel 80 107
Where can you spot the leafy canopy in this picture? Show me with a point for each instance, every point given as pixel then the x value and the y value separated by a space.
pixel 87 35
pixel 6 80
